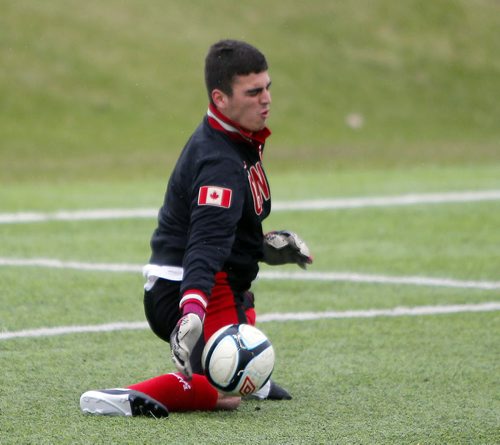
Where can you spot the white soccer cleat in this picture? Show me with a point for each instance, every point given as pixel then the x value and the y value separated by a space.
pixel 121 402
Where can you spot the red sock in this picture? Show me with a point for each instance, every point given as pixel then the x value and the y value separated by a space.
pixel 179 394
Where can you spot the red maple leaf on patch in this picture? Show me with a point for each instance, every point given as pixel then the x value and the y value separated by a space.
pixel 215 196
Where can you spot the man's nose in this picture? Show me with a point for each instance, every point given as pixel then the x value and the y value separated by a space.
pixel 266 97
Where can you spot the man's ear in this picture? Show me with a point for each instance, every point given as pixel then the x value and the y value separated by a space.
pixel 219 99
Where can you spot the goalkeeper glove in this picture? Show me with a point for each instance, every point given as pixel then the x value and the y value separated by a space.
pixel 188 331
pixel 284 247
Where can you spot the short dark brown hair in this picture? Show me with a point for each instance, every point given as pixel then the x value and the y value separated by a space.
pixel 229 58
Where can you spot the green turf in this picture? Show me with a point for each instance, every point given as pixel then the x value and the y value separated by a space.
pixel 455 240
pixel 427 379
pixel 407 380
pixel 306 183
pixel 97 99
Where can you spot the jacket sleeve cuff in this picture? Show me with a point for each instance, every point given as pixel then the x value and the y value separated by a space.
pixel 194 301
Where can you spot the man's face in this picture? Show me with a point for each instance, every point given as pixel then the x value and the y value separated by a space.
pixel 250 102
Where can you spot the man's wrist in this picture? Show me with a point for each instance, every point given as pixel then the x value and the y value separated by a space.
pixel 194 302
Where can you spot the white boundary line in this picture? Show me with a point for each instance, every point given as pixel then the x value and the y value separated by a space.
pixel 390 201
pixel 76 265
pixel 265 318
pixel 268 275
pixel 306 205
pixel 379 279
pixel 76 215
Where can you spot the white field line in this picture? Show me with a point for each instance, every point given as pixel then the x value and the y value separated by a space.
pixel 306 205
pixel 268 275
pixel 390 201
pixel 76 215
pixel 353 277
pixel 76 265
pixel 279 317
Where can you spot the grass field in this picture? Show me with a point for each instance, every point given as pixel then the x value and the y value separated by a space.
pixel 97 101
pixel 410 379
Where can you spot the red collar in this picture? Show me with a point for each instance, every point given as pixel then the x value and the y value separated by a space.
pixel 222 123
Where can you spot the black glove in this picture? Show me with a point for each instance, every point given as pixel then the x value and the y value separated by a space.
pixel 284 247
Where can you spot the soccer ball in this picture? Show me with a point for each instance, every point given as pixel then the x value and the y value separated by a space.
pixel 238 359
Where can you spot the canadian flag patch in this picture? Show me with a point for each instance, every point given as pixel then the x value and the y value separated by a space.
pixel 210 195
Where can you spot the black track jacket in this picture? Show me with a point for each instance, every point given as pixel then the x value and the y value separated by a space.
pixel 216 199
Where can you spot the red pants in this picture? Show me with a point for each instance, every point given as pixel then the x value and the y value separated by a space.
pixel 225 307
